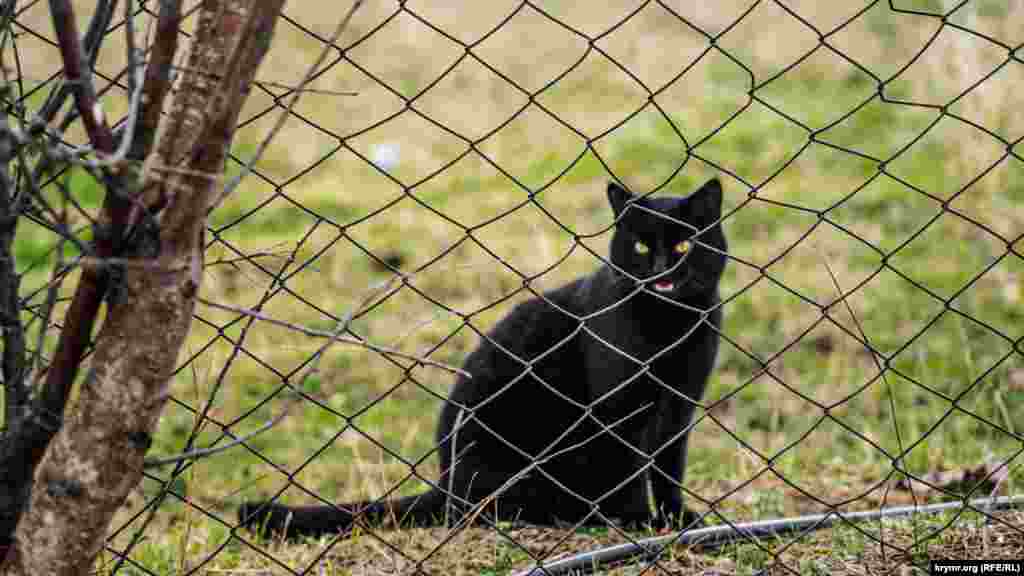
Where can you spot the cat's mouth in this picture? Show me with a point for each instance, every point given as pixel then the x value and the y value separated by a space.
pixel 664 286
pixel 675 286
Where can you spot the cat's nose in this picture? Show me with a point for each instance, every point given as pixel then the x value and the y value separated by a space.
pixel 660 265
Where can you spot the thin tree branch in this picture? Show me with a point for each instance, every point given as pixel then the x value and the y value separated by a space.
pixel 98 25
pixel 76 71
pixel 246 258
pixel 312 369
pixel 135 73
pixel 198 453
pixel 287 112
pixel 158 79
pixel 387 351
pixel 59 273
pixel 878 366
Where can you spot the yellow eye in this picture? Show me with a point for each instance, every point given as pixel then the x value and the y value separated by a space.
pixel 641 248
pixel 683 247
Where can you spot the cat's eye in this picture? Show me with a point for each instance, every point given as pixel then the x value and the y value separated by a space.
pixel 641 248
pixel 683 247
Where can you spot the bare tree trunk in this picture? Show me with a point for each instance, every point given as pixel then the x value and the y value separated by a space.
pixel 96 458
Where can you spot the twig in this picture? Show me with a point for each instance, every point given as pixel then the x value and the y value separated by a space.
pixel 246 258
pixel 417 327
pixel 380 290
pixel 290 87
pixel 314 367
pixel 881 371
pixel 300 88
pixel 346 339
pixel 427 321
pixel 136 74
pixel 56 279
pixel 206 452
pixel 287 112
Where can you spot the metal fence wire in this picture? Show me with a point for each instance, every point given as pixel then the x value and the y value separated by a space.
pixel 448 160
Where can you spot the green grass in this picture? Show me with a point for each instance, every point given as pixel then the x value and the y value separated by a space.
pixel 374 418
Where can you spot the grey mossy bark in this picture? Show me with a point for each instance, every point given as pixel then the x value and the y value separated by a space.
pixel 96 459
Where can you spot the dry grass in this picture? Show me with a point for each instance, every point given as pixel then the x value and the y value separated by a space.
pixel 873 547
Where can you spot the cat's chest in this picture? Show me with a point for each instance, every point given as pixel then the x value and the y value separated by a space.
pixel 646 335
pixel 639 350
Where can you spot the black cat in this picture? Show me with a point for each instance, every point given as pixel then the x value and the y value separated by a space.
pixel 579 398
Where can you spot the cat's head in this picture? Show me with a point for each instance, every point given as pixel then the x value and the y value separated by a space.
pixel 674 245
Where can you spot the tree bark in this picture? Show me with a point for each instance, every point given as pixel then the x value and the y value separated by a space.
pixel 96 459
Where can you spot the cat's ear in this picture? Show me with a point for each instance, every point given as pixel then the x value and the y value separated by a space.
pixel 618 197
pixel 706 203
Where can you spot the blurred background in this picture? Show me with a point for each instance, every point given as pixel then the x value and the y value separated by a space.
pixel 878 140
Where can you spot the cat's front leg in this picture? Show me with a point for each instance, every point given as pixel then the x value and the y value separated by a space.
pixel 669 467
pixel 666 482
pixel 683 378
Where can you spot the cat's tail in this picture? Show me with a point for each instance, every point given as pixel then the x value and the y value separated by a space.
pixel 425 509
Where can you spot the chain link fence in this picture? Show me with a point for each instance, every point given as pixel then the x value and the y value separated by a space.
pixel 449 160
